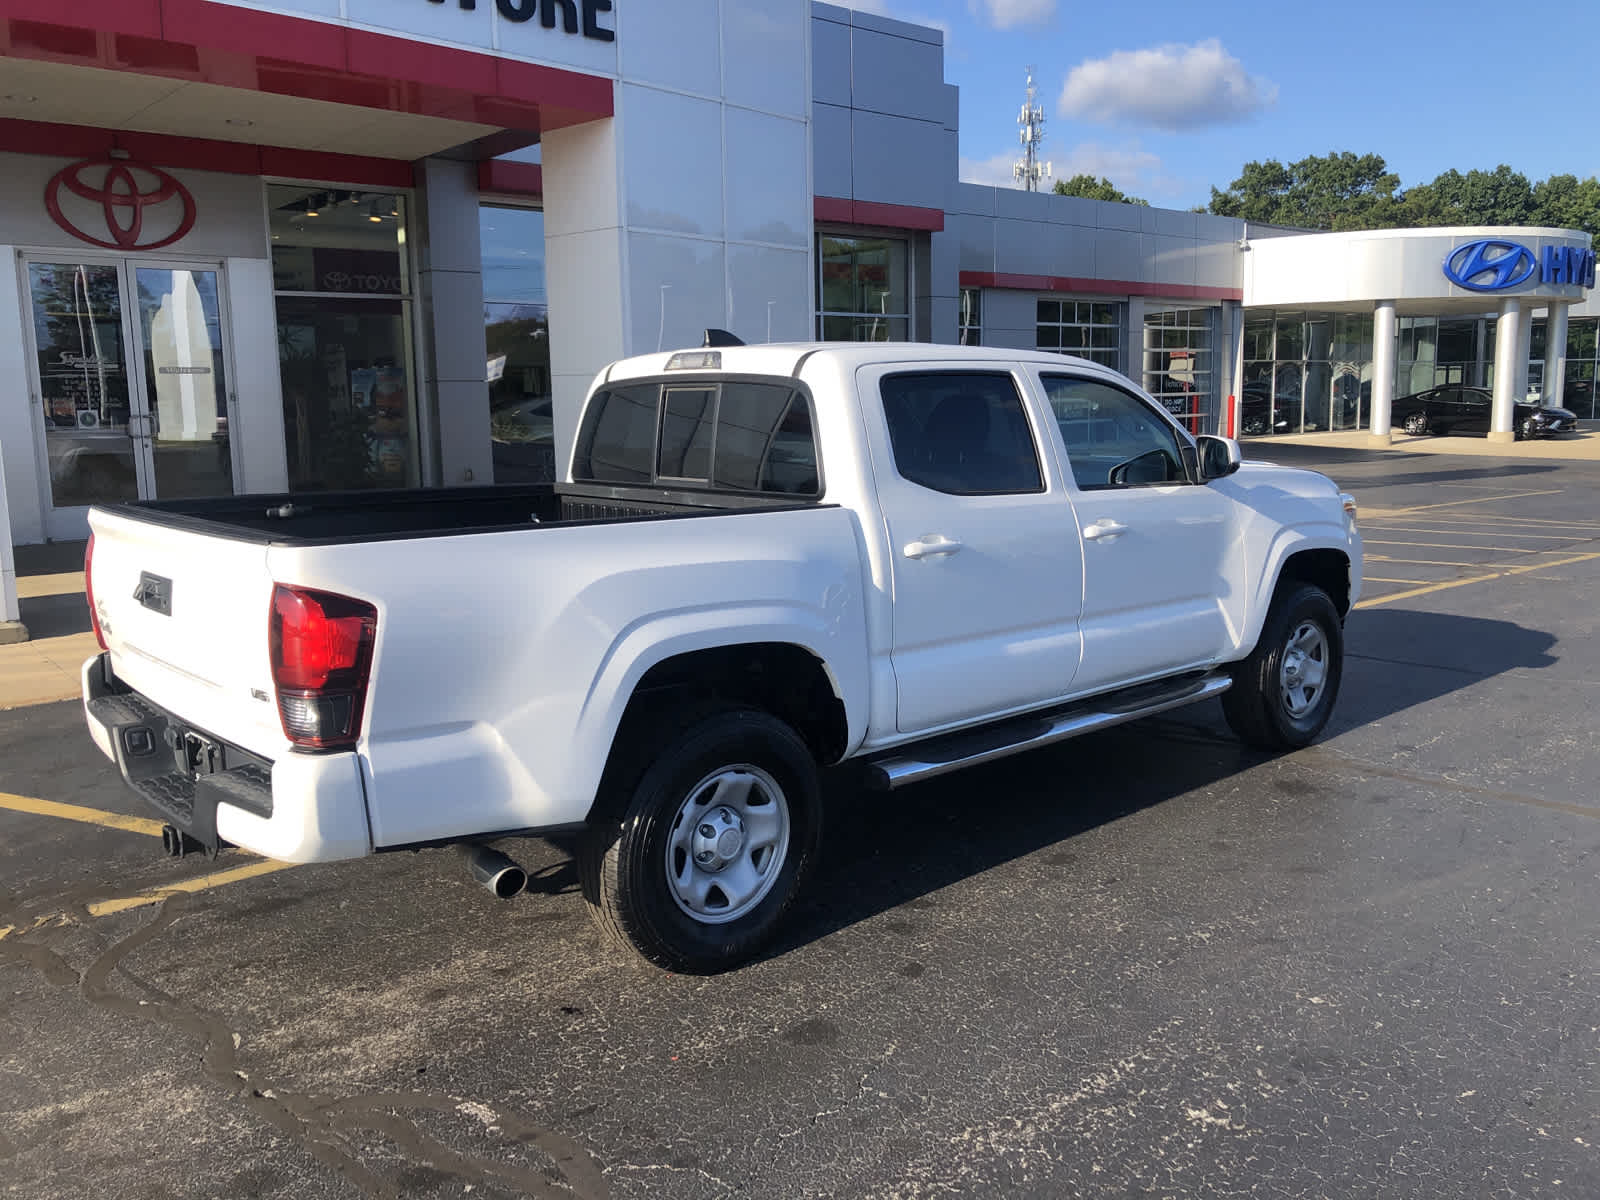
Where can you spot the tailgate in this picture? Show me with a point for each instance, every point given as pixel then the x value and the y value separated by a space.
pixel 184 615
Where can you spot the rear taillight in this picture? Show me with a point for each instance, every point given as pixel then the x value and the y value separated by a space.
pixel 321 657
pixel 88 592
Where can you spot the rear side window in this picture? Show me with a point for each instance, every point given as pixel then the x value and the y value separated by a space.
pixel 764 441
pixel 618 441
pixel 736 436
pixel 962 433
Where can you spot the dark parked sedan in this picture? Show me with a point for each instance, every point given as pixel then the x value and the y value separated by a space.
pixel 1456 409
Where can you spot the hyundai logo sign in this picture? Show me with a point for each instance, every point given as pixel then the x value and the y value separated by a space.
pixel 1492 265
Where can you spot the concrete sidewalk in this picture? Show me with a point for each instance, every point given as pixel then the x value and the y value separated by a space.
pixel 1583 446
pixel 50 594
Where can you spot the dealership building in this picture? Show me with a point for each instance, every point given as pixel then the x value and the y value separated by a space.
pixel 314 244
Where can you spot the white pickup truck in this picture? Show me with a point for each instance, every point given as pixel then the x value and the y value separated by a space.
pixel 759 561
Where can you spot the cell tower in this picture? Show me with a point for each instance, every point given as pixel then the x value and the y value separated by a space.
pixel 1029 170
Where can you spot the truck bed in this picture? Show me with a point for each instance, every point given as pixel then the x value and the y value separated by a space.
pixel 335 518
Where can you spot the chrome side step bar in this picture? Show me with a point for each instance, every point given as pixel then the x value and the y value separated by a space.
pixel 952 752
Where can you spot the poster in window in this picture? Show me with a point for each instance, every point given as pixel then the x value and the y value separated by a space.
pixel 363 388
pixel 390 401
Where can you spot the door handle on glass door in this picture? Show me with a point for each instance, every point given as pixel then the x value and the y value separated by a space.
pixel 1104 531
pixel 931 545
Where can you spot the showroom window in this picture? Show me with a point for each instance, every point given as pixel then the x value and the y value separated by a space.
pixel 1087 329
pixel 516 319
pixel 1178 363
pixel 863 289
pixel 971 317
pixel 1306 371
pixel 1578 394
pixel 341 278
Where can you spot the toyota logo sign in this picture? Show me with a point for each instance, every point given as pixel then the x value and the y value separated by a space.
pixel 139 207
pixel 1490 265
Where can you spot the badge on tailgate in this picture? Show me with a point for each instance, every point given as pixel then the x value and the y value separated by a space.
pixel 155 593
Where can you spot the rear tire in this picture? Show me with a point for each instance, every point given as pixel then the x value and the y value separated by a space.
pixel 720 824
pixel 1416 424
pixel 1283 694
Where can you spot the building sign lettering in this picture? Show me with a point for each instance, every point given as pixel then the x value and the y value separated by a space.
pixel 572 16
pixel 1494 265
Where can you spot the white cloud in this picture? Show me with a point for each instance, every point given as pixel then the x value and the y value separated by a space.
pixel 1171 87
pixel 1013 14
pixel 881 8
pixel 1133 170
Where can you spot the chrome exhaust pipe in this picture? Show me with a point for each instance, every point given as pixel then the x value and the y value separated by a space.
pixel 495 871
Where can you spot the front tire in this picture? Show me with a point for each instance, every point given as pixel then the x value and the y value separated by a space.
pixel 1283 694
pixel 719 826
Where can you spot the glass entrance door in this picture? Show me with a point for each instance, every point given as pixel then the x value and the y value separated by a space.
pixel 130 384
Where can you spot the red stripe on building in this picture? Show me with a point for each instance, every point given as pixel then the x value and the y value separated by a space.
pixel 201 154
pixel 866 212
pixel 238 47
pixel 1123 287
pixel 501 178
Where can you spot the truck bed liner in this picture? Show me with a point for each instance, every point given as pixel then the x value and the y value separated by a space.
pixel 323 518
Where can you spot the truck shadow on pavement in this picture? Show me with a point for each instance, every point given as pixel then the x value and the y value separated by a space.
pixel 883 851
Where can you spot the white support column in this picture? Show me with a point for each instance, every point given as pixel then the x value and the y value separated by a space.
pixel 683 212
pixel 1555 354
pixel 1508 344
pixel 1135 342
pixel 1519 390
pixel 11 627
pixel 1233 394
pixel 1383 367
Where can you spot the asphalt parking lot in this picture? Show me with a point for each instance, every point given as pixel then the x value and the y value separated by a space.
pixel 1146 963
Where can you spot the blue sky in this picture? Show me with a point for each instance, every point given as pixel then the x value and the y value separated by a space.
pixel 1167 99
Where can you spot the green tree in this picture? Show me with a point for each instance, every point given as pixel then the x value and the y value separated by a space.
pixel 1349 191
pixel 1567 202
pixel 1498 197
pixel 1336 191
pixel 1088 187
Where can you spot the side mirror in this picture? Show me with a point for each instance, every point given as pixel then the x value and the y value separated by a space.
pixel 1219 456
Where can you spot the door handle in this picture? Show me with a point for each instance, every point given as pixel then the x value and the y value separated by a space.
pixel 931 545
pixel 1104 531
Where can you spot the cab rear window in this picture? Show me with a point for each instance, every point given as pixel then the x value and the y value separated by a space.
pixel 736 435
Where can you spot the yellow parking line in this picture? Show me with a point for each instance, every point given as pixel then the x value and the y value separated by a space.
pixel 201 883
pixel 1455 583
pixel 1423 562
pixel 1490 519
pixel 1450 546
pixel 1381 579
pixel 1478 500
pixel 1537 537
pixel 74 812
pixel 1372 601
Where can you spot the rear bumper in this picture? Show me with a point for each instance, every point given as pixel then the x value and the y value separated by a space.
pixel 298 808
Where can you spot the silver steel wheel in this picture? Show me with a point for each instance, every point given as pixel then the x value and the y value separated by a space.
pixel 1416 424
pixel 727 844
pixel 1303 669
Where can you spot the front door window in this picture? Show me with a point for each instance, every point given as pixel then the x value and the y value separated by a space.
pixel 185 380
pixel 131 384
pixel 79 339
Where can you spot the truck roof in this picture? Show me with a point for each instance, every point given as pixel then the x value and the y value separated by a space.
pixel 785 358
